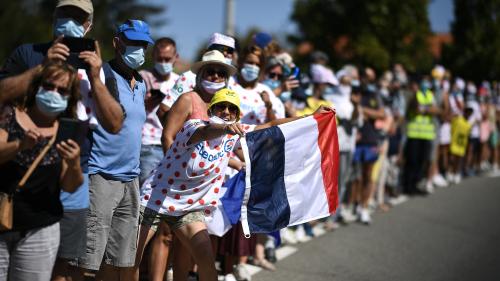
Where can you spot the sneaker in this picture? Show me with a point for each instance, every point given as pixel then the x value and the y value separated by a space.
pixel 170 274
pixel 300 235
pixel 287 236
pixel 229 277
pixel 364 216
pixel 429 188
pixel 264 264
pixel 241 272
pixel 450 177
pixel 330 225
pixel 439 181
pixel 457 179
pixel 347 215
pixel 270 254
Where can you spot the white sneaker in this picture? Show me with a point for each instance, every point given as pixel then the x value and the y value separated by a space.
pixel 450 177
pixel 439 181
pixel 229 277
pixel 287 236
pixel 429 188
pixel 241 273
pixel 300 234
pixel 457 179
pixel 364 216
pixel 170 274
pixel 347 214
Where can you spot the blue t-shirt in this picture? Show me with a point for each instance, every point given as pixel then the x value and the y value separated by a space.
pixel 116 157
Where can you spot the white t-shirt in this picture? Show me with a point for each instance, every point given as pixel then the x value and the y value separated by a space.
pixel 253 108
pixel 185 83
pixel 152 129
pixel 190 176
pixel 475 118
pixel 87 102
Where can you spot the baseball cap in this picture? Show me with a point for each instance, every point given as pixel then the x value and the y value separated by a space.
pixel 213 57
pixel 135 30
pixel 85 5
pixel 221 39
pixel 226 95
pixel 262 39
pixel 322 74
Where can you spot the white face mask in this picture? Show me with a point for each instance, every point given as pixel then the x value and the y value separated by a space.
pixel 212 87
pixel 345 90
pixel 217 120
pixel 229 61
pixel 164 68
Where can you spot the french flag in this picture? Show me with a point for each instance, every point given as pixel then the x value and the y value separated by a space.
pixel 291 174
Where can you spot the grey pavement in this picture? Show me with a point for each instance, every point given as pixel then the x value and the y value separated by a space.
pixel 454 234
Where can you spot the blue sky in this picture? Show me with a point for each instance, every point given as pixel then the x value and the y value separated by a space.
pixel 191 22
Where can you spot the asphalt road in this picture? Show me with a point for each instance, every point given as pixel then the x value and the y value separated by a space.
pixel 453 235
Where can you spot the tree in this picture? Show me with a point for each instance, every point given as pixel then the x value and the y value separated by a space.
pixel 30 21
pixel 476 40
pixel 375 33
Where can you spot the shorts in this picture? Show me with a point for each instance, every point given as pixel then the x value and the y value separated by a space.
pixel 365 154
pixel 112 223
pixel 494 139
pixel 152 219
pixel 73 226
pixel 445 134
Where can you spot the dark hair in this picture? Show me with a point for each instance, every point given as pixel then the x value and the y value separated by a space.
pixel 252 50
pixel 163 42
pixel 55 69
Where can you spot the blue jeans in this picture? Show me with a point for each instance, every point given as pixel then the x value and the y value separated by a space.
pixel 151 155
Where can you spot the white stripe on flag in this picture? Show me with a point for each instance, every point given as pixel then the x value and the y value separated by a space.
pixel 303 175
pixel 248 184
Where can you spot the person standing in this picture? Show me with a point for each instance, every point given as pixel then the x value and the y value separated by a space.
pixel 159 81
pixel 420 134
pixel 112 220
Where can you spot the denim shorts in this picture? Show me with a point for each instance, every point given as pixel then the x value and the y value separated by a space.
pixel 73 234
pixel 151 155
pixel 365 154
pixel 112 223
pixel 152 219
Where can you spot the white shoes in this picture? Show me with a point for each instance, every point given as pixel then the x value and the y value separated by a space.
pixel 364 216
pixel 439 181
pixel 241 273
pixel 287 236
pixel 429 188
pixel 300 235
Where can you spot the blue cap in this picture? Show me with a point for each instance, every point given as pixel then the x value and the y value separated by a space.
pixel 136 30
pixel 262 39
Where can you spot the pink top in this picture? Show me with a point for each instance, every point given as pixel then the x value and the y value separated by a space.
pixel 199 110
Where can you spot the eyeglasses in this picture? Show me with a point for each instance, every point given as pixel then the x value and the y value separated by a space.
pixel 221 48
pixel 219 71
pixel 222 107
pixel 274 75
pixel 51 87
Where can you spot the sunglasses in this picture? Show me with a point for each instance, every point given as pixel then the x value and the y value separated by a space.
pixel 51 87
pixel 220 72
pixel 274 75
pixel 221 48
pixel 223 106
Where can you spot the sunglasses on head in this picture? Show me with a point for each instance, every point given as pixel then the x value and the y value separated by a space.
pixel 274 75
pixel 222 106
pixel 220 72
pixel 48 86
pixel 221 48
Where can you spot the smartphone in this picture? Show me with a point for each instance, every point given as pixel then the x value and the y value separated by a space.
pixel 77 45
pixel 156 92
pixel 295 73
pixel 73 129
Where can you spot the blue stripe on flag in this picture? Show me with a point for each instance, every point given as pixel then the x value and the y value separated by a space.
pixel 268 208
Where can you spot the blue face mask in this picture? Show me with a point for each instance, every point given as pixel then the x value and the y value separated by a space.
pixel 425 85
pixel 250 72
pixel 50 103
pixel 285 96
pixel 133 56
pixel 271 83
pixel 68 27
pixel 164 68
pixel 328 91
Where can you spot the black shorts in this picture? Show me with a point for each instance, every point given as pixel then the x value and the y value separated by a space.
pixel 73 227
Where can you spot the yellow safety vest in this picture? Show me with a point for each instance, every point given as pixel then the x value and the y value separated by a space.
pixel 421 126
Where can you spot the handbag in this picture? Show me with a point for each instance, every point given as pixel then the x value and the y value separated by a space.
pixel 7 199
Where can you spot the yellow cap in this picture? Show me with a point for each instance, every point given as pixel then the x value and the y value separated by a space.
pixel 226 95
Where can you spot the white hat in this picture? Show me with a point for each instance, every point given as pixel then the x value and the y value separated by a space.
pixel 322 74
pixel 221 39
pixel 213 57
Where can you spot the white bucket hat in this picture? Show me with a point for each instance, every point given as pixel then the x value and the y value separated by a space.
pixel 213 57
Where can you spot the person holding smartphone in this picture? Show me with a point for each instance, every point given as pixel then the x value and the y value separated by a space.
pixel 72 18
pixel 29 249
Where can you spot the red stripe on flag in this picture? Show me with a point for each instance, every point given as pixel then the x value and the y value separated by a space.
pixel 328 143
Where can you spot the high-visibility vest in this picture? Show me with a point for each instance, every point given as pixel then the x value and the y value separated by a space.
pixel 421 126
